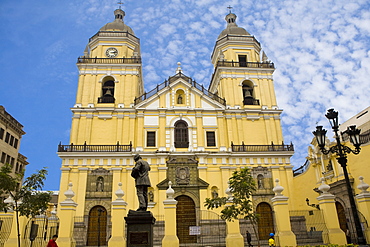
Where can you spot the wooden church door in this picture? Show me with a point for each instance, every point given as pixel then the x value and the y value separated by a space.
pixel 185 217
pixel 266 221
pixel 97 227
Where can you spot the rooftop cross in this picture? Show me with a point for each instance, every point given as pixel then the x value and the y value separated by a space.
pixel 230 8
pixel 120 4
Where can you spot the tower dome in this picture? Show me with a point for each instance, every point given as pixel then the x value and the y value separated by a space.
pixel 118 24
pixel 232 28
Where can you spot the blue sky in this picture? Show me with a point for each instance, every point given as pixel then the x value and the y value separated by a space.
pixel 321 51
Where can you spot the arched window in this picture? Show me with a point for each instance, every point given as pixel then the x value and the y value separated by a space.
pixel 248 94
pixel 181 134
pixel 107 92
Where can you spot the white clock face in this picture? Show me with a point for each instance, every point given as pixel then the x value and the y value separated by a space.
pixel 111 52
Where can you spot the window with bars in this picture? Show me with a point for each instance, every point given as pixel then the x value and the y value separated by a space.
pixel 181 134
pixel 15 143
pixel 211 138
pixel 7 137
pixel 3 157
pixel 1 133
pixel 242 60
pixel 150 139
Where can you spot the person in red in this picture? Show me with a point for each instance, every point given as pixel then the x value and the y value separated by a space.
pixel 52 242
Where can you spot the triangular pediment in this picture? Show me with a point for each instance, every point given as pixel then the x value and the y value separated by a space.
pixel 193 92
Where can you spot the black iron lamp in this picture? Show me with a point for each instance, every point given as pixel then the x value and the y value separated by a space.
pixel 341 151
pixel 333 118
pixel 354 136
pixel 320 134
pixel 312 205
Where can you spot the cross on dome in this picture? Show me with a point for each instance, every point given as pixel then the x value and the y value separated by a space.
pixel 120 4
pixel 230 8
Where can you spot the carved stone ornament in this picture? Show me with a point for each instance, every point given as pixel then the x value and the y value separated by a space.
pixel 100 171
pixel 182 175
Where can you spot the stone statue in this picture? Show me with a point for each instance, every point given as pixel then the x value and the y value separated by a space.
pixel 179 99
pixel 100 184
pixel 260 181
pixel 214 194
pixel 141 174
pixel 151 196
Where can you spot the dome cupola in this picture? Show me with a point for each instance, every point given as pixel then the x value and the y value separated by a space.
pixel 118 24
pixel 232 28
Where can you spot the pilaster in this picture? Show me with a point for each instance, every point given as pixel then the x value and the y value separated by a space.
pixel 327 205
pixel 67 211
pixel 233 236
pixel 170 238
pixel 363 205
pixel 118 223
pixel 284 235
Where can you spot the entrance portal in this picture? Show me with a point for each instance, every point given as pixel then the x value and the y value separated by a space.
pixel 97 227
pixel 265 221
pixel 185 217
pixel 341 216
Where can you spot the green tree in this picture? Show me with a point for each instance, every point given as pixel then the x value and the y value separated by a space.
pixel 28 199
pixel 242 186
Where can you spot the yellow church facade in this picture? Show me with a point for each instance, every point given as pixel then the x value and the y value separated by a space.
pixel 193 136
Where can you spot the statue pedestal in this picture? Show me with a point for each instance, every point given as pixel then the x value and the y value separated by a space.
pixel 140 228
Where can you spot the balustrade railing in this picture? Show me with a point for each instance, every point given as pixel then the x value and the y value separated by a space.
pixel 265 65
pixel 172 79
pixel 135 60
pixel 95 148
pixel 301 169
pixel 365 137
pixel 261 148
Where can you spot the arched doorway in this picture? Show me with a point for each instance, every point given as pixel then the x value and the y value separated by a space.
pixel 97 227
pixel 265 221
pixel 343 224
pixel 341 216
pixel 185 217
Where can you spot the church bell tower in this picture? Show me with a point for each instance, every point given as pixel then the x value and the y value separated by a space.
pixel 110 78
pixel 243 76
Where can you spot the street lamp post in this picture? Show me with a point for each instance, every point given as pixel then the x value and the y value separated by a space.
pixel 342 151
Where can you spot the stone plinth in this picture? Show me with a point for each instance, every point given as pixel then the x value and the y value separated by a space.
pixel 139 228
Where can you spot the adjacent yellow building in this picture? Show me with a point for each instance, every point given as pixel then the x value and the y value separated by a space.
pixel 319 166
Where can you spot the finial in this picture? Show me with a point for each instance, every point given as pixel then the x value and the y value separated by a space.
pixel 170 192
pixel 363 186
pixel 9 200
pixel 119 193
pixel 69 193
pixel 229 192
pixel 264 57
pixel 229 9
pixel 54 211
pixel 120 4
pixel 178 70
pixel 324 187
pixel 278 188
